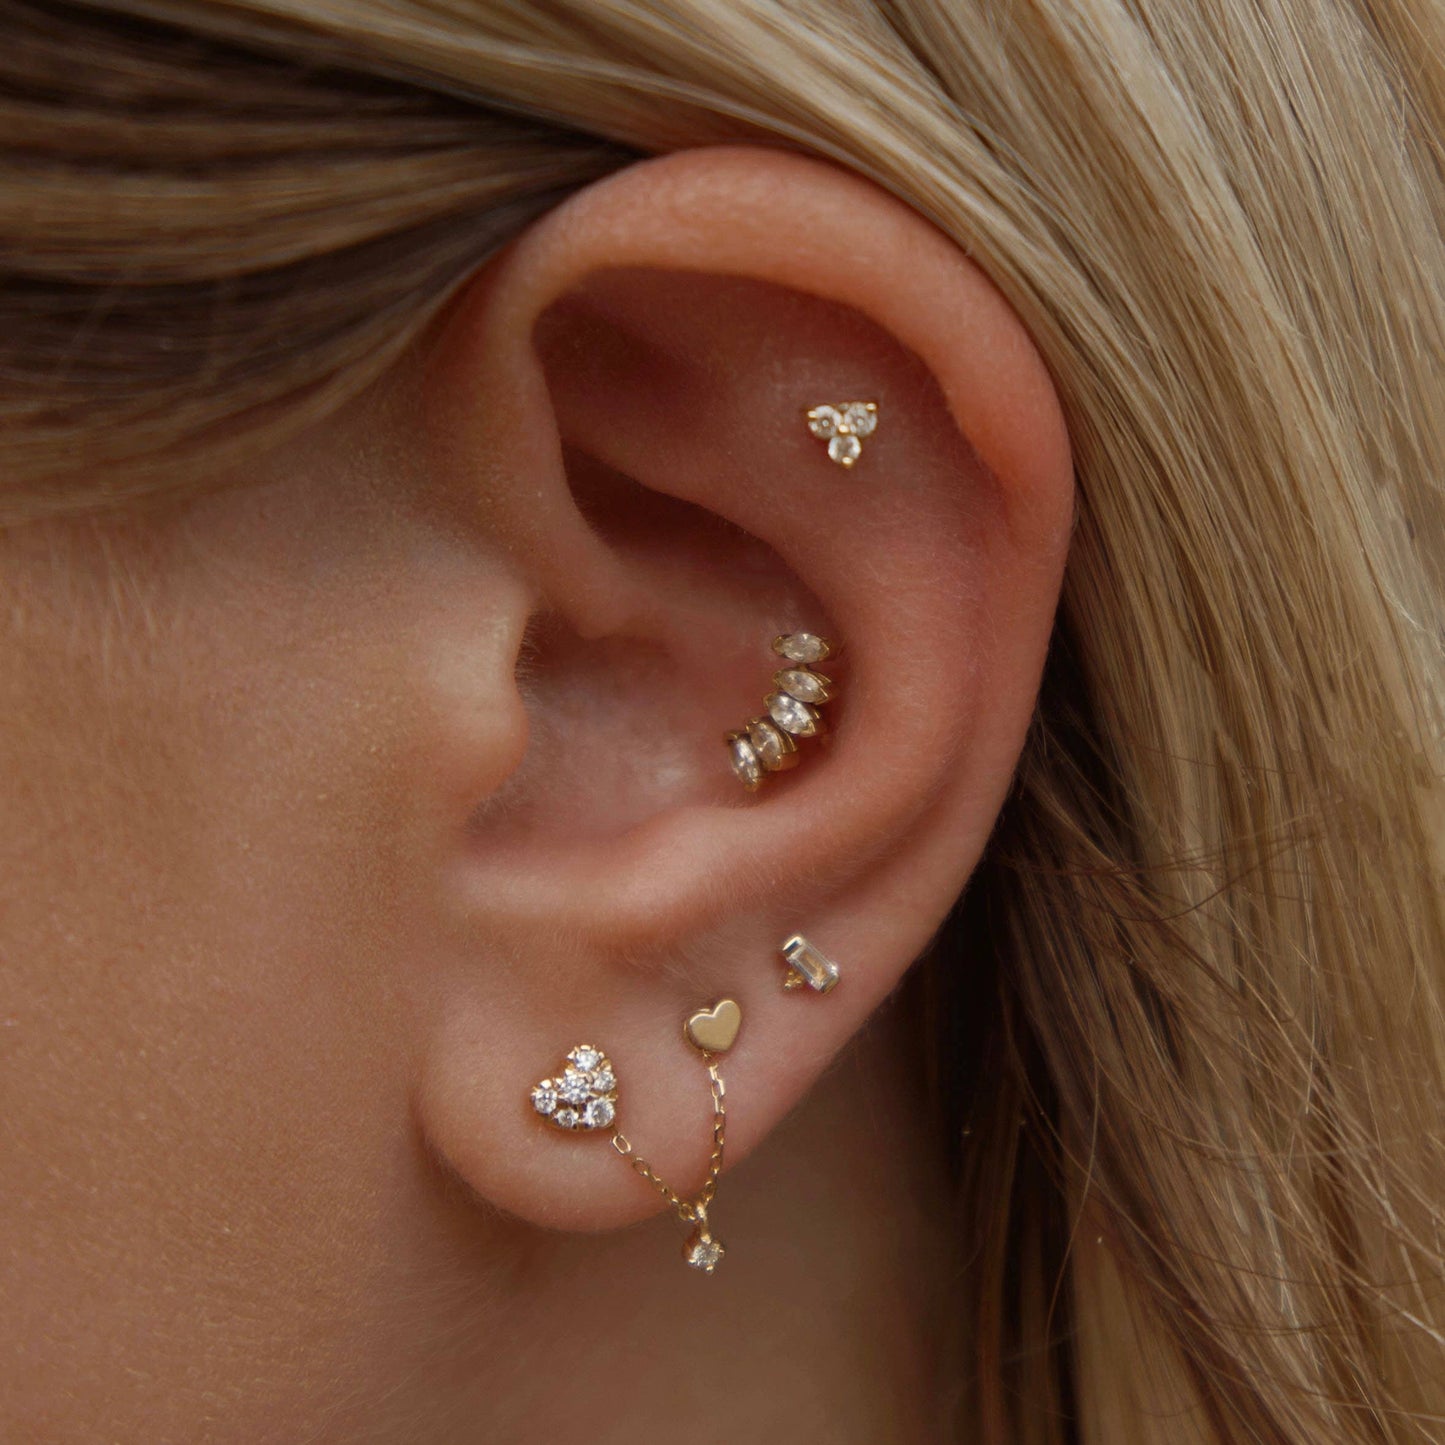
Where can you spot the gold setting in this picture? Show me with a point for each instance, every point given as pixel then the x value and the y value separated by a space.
pixel 768 743
pixel 589 1083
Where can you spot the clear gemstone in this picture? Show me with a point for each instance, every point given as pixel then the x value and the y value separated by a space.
pixel 823 421
pixel 745 761
pixel 845 450
pixel 566 1118
pixel 802 647
pixel 585 1057
pixel 544 1097
pixel 604 1080
pixel 598 1114
pixel 804 685
pixel 859 419
pixel 575 1087
pixel 791 715
pixel 809 965
pixel 703 1252
pixel 777 750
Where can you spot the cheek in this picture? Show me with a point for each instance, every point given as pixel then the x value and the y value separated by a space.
pixel 231 769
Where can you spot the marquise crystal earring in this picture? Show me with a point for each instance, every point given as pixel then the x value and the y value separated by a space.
pixel 582 1099
pixel 769 743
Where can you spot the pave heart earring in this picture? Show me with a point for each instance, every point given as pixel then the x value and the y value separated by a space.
pixel 583 1100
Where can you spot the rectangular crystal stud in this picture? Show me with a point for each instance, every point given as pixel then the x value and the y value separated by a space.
pixel 807 965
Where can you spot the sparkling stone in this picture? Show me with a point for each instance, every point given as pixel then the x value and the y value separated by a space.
pixel 802 647
pixel 859 419
pixel 845 449
pixel 806 964
pixel 703 1252
pixel 823 421
pixel 777 750
pixel 566 1118
pixel 544 1097
pixel 585 1057
pixel 604 1080
pixel 746 763
pixel 791 715
pixel 575 1087
pixel 804 685
pixel 598 1114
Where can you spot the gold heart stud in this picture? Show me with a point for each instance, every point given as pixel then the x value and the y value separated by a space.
pixel 713 1029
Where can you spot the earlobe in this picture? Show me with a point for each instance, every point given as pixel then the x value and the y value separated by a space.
pixel 622 403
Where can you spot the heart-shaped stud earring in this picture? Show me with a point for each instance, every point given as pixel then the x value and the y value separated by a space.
pixel 712 1030
pixel 583 1096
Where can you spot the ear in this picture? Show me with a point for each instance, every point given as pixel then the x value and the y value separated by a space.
pixel 616 406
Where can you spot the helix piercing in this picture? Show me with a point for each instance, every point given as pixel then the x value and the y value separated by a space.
pixel 768 743
pixel 843 426
pixel 583 1099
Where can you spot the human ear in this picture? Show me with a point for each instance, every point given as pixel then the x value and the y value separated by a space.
pixel 617 405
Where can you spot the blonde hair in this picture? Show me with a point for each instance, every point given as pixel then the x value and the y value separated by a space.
pixel 1207 1201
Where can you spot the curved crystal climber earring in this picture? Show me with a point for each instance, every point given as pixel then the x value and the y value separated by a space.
pixel 768 744
pixel 583 1100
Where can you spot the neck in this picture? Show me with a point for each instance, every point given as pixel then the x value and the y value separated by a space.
pixel 826 1320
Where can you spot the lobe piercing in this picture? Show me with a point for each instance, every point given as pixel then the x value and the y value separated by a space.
pixel 844 425
pixel 584 1099
pixel 768 744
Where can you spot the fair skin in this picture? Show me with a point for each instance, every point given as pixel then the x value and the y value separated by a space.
pixel 304 883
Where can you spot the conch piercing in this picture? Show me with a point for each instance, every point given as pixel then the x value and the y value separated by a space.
pixel 768 744
pixel 844 425
pixel 583 1099
pixel 807 964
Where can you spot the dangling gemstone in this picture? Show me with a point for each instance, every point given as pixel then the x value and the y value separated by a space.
pixel 702 1251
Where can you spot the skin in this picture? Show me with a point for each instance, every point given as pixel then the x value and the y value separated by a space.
pixel 344 798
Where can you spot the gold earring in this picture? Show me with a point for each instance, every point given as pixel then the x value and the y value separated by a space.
pixel 844 425
pixel 768 744
pixel 808 964
pixel 583 1098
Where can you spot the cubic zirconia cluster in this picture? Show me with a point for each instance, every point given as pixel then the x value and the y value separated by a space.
pixel 843 427
pixel 583 1096
pixel 768 744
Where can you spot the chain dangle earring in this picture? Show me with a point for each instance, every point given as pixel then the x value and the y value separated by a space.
pixel 583 1099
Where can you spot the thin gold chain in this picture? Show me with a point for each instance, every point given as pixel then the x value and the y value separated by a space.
pixel 688 1210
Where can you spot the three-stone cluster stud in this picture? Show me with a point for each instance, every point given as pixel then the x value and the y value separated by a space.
pixel 769 743
pixel 843 426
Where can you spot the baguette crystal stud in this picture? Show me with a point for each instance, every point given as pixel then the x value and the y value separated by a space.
pixel 808 965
